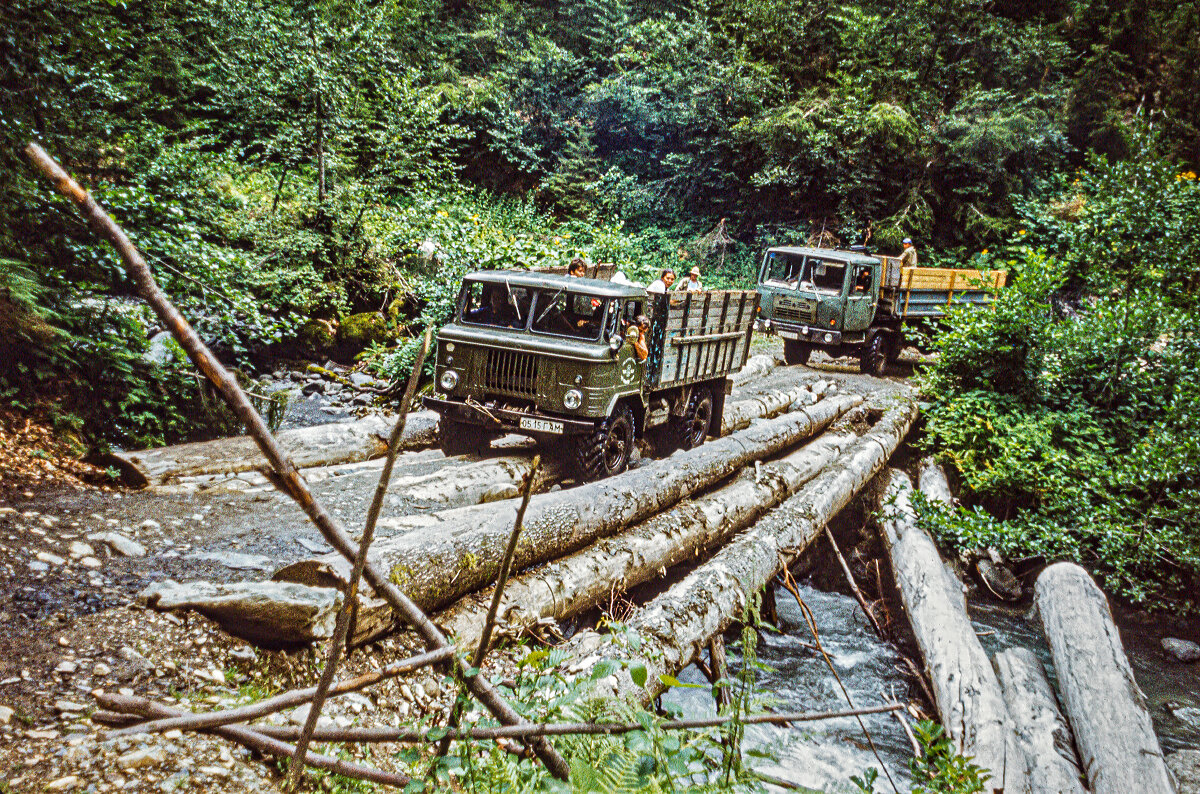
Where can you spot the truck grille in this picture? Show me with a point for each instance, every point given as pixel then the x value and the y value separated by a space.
pixel 796 311
pixel 511 372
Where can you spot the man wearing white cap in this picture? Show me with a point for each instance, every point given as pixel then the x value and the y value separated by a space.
pixel 909 257
pixel 692 284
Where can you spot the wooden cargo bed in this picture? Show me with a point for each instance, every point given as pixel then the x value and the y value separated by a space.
pixel 696 336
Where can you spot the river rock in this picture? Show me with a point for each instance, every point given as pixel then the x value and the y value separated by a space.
pixel 316 336
pixel 6 715
pixel 315 387
pixel 63 783
pixel 236 561
pixel 119 544
pixel 50 559
pixel 147 756
pixel 1185 766
pixel 79 549
pixel 1184 651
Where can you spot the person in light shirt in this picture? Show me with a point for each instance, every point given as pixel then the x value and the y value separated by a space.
pixel 663 283
pixel 692 284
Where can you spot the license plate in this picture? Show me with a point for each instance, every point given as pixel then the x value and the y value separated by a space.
pixel 541 425
pixel 789 334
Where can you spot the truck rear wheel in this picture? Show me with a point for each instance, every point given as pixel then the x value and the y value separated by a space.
pixel 606 451
pixel 460 438
pixel 873 358
pixel 796 352
pixel 692 428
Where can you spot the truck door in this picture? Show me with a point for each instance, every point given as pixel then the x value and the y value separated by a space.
pixel 860 301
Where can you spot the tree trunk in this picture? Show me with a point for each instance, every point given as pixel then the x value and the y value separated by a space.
pixel 677 625
pixel 1042 733
pixel 450 554
pixel 585 579
pixel 740 414
pixel 755 367
pixel 968 693
pixel 933 483
pixel 322 445
pixel 1116 740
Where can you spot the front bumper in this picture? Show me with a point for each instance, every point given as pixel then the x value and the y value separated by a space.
pixel 796 331
pixel 505 420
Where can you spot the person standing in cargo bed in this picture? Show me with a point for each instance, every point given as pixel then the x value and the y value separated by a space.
pixel 908 258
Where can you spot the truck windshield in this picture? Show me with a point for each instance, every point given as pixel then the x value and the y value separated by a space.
pixel 563 313
pixel 822 275
pixel 783 268
pixel 489 303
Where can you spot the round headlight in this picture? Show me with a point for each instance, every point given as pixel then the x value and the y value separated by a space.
pixel 767 324
pixel 449 347
pixel 572 399
pixel 828 337
pixel 448 380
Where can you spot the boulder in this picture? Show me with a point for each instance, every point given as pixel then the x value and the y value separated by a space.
pixel 317 336
pixel 1184 651
pixel 359 330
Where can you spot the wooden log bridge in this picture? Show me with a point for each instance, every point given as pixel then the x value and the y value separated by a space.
pixel 678 624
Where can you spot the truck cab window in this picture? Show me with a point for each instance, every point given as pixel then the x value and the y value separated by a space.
pixel 497 305
pixel 823 275
pixel 568 314
pixel 862 279
pixel 783 268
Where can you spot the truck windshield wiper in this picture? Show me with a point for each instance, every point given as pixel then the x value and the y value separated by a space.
pixel 513 300
pixel 549 306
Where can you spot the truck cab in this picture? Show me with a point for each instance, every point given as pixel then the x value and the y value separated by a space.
pixel 817 297
pixel 557 358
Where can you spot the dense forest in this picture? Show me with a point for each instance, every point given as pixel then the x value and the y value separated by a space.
pixel 305 173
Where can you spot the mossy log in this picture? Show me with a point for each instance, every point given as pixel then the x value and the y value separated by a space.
pixel 677 625
pixel 458 551
pixel 1042 732
pixel 692 528
pixel 755 367
pixel 969 699
pixel 1117 744
pixel 321 445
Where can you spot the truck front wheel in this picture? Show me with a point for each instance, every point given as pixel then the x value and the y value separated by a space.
pixel 873 358
pixel 796 352
pixel 606 451
pixel 460 438
pixel 692 428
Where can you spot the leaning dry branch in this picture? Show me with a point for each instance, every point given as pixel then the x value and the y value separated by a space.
pixel 284 473
pixel 350 608
pixel 285 700
pixel 255 740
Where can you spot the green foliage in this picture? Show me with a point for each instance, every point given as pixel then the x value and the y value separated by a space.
pixel 1070 410
pixel 938 769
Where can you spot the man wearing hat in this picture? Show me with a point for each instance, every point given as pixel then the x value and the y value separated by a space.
pixel 692 284
pixel 909 257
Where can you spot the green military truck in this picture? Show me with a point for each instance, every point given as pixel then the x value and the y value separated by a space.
pixel 555 358
pixel 852 303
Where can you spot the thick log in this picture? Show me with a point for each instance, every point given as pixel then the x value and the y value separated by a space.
pixel 740 414
pixel 1107 710
pixel 676 626
pixel 585 579
pixel 458 551
pixel 968 694
pixel 272 614
pixel 932 482
pixel 321 445
pixel 1042 732
pixel 756 367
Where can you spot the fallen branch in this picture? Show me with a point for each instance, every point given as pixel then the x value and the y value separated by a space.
pixel 432 735
pixel 256 740
pixel 285 700
pixel 285 475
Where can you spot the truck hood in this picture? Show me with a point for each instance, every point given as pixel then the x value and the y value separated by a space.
pixel 512 339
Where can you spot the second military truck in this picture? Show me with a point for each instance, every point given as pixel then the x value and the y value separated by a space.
pixel 559 359
pixel 846 302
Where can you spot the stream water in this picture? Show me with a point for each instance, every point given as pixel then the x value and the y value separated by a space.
pixel 821 756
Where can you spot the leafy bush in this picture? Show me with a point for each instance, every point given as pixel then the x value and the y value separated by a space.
pixel 1071 410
